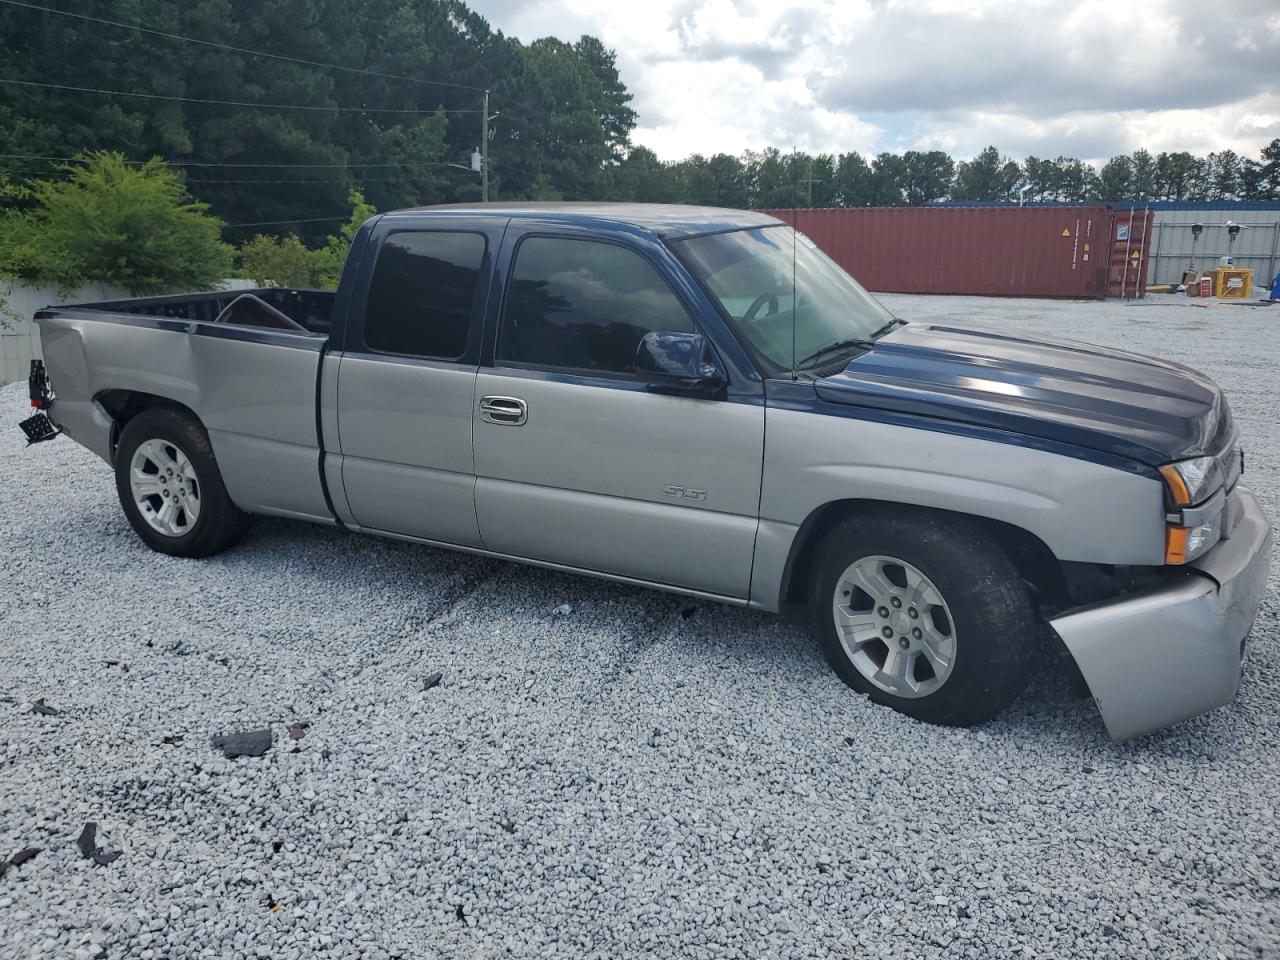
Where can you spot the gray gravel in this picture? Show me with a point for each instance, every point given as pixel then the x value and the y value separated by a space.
pixel 601 771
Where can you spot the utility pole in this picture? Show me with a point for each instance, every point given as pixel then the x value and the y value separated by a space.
pixel 810 182
pixel 484 150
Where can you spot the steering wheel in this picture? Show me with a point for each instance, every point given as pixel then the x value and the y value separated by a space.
pixel 759 302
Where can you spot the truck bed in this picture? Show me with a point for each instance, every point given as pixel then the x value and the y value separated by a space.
pixel 311 309
pixel 247 363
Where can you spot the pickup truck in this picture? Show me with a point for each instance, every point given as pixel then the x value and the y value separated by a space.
pixel 699 400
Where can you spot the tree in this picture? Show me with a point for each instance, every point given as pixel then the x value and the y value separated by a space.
pixel 130 226
pixel 1174 176
pixel 1144 168
pixel 1251 180
pixel 980 178
pixel 731 186
pixel 1040 177
pixel 564 112
pixel 614 115
pixel 640 177
pixel 1270 171
pixel 276 261
pixel 286 262
pixel 1225 174
pixel 329 260
pixel 926 176
pixel 853 181
pixel 1115 182
pixel 887 174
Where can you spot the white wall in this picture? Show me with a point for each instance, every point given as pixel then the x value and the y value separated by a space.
pixel 20 340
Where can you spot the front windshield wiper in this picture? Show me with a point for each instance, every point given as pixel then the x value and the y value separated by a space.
pixel 866 343
pixel 881 331
pixel 834 348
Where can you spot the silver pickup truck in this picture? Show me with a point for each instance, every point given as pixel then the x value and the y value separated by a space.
pixel 699 400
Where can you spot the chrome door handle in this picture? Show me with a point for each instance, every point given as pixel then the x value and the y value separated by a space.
pixel 504 411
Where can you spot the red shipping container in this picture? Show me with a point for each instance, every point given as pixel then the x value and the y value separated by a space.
pixel 1077 252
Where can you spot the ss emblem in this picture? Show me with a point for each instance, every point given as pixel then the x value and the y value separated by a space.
pixel 684 493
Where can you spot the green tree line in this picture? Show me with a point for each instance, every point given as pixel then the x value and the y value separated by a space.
pixel 771 179
pixel 290 136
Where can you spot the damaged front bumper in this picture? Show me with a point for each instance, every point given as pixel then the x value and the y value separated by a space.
pixel 1175 650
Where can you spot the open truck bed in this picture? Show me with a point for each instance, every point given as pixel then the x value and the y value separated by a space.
pixel 246 362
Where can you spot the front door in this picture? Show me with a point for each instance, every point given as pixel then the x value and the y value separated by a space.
pixel 577 461
pixel 407 378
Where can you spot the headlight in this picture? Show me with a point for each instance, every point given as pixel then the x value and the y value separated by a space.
pixel 1196 523
pixel 1191 481
pixel 1184 544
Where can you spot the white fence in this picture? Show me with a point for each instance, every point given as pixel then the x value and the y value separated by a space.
pixel 19 338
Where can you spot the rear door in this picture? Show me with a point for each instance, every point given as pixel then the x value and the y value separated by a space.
pixel 578 462
pixel 407 378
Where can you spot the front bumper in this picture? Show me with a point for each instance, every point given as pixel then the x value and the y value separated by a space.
pixel 1176 650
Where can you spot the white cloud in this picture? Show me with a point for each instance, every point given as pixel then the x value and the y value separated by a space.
pixel 1084 78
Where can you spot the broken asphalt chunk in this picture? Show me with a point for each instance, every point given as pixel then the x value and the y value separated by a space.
pixel 252 744
pixel 18 859
pixel 431 681
pixel 87 842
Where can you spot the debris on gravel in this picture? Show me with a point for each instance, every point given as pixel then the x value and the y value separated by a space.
pixel 87 843
pixel 254 743
pixel 628 781
pixel 18 859
pixel 431 680
pixel 44 709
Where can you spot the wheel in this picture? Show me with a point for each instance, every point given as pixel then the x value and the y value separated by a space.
pixel 170 487
pixel 923 612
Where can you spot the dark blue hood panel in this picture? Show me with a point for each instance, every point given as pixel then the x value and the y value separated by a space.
pixel 1123 404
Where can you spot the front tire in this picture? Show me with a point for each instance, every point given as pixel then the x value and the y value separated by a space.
pixel 923 612
pixel 170 487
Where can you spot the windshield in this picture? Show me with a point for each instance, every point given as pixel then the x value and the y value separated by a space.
pixel 750 273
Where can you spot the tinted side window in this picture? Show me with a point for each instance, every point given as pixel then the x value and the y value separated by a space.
pixel 421 293
pixel 582 305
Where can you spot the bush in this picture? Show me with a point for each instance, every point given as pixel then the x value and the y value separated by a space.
pixel 286 262
pixel 129 226
pixel 277 262
pixel 330 258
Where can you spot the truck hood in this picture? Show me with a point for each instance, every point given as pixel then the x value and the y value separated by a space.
pixel 1140 408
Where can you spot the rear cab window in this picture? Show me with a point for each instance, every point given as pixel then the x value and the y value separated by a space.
pixel 583 306
pixel 421 293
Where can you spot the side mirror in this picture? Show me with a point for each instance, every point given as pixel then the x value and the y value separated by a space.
pixel 673 362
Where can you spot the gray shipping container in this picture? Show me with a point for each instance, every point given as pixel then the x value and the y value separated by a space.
pixel 1173 251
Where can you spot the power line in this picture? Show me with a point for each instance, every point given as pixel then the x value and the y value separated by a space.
pixel 272 223
pixel 227 46
pixel 211 163
pixel 359 181
pixel 228 103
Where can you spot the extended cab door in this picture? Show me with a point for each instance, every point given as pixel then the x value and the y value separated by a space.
pixel 578 462
pixel 407 377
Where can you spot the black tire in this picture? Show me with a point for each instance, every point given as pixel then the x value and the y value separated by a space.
pixel 219 523
pixel 990 609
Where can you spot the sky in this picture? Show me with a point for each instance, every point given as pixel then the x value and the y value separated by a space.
pixel 1084 79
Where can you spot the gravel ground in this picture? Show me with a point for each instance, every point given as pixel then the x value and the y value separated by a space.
pixel 602 771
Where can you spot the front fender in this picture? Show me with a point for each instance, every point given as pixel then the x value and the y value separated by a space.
pixel 1082 511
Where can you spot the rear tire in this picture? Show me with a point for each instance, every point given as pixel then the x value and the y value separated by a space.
pixel 170 487
pixel 943 628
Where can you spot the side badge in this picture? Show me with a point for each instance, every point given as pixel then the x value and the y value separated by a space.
pixel 683 493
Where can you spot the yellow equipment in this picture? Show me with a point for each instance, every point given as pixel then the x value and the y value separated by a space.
pixel 1233 283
